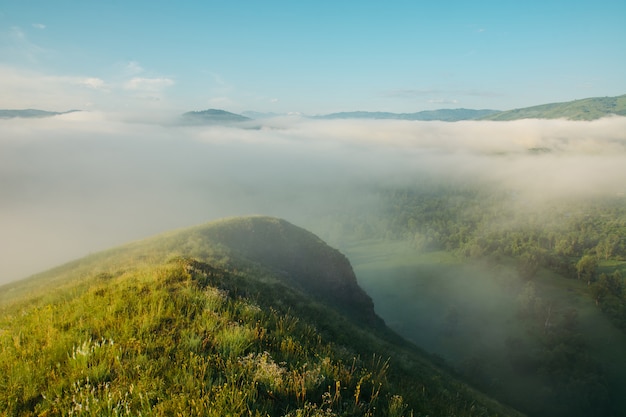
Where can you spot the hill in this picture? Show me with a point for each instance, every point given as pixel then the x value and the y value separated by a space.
pixel 584 109
pixel 229 318
pixel 30 113
pixel 448 115
pixel 213 116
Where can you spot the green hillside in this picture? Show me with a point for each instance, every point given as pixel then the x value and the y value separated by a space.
pixel 585 109
pixel 247 316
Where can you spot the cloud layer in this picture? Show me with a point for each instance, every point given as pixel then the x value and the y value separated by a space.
pixel 81 182
pixel 126 91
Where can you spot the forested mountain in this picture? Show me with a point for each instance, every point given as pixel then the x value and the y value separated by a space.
pixel 584 109
pixel 247 316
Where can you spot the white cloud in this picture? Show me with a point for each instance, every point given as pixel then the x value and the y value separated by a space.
pixel 17 34
pixel 30 89
pixel 148 84
pixel 39 26
pixel 94 83
pixel 133 68
pixel 16 46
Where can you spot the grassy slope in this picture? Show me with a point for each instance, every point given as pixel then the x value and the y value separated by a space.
pixel 128 331
pixel 585 109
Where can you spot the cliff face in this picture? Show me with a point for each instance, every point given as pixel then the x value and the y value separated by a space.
pixel 297 257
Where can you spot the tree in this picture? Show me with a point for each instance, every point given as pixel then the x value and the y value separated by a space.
pixel 586 268
pixel 606 247
pixel 528 264
pixel 608 286
pixel 600 290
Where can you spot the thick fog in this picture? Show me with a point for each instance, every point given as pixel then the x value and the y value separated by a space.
pixel 82 182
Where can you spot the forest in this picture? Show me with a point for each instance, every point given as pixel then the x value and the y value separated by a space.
pixel 555 266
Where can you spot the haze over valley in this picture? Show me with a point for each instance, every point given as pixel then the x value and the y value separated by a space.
pixel 80 182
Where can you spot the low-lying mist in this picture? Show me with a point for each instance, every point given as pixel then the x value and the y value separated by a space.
pixel 81 182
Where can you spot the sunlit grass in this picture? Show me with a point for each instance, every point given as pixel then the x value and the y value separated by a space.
pixel 169 340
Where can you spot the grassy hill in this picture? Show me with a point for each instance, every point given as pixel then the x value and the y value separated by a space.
pixel 585 109
pixel 247 316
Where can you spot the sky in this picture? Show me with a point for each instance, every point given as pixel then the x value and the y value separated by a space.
pixel 157 57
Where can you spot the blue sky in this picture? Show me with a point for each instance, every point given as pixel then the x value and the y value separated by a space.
pixel 309 57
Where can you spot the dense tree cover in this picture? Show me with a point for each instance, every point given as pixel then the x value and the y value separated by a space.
pixel 555 350
pixel 576 238
pixel 479 223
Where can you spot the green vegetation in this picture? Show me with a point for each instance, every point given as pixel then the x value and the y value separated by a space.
pixel 523 297
pixel 526 342
pixel 584 109
pixel 183 324
pixel 570 238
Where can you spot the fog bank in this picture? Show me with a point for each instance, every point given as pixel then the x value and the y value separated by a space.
pixel 82 182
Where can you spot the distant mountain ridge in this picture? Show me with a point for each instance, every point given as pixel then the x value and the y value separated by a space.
pixel 583 109
pixel 447 115
pixel 30 113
